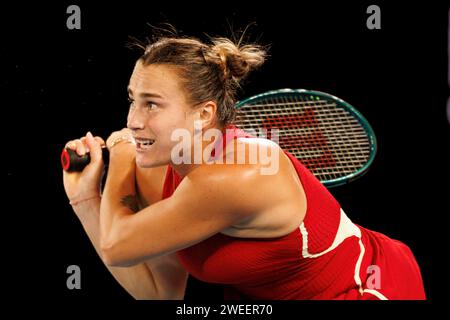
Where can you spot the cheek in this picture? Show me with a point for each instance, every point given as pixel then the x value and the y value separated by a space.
pixel 167 124
pixel 176 124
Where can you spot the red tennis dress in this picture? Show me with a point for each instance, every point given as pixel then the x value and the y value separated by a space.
pixel 326 257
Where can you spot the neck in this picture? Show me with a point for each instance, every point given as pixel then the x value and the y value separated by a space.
pixel 201 152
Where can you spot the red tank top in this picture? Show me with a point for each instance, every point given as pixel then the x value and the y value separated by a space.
pixel 326 257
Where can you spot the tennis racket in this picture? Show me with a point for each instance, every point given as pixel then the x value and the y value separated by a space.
pixel 329 136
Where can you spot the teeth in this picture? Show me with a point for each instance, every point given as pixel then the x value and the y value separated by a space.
pixel 146 143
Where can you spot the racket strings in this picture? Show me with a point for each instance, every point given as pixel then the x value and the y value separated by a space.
pixel 328 140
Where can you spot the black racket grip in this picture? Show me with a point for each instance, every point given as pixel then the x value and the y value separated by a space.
pixel 71 161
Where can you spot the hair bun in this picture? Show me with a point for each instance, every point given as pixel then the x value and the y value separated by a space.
pixel 235 61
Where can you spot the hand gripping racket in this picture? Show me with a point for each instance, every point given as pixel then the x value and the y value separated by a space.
pixel 329 136
pixel 71 161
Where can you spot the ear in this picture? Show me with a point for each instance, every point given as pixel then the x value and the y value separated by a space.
pixel 207 113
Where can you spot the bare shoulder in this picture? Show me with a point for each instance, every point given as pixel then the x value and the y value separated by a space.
pixel 222 185
pixel 265 187
pixel 264 153
pixel 247 182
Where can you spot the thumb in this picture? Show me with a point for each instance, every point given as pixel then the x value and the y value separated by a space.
pixel 94 147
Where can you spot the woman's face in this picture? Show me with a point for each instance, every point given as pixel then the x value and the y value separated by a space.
pixel 158 106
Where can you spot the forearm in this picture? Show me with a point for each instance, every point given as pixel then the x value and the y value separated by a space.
pixel 118 194
pixel 137 280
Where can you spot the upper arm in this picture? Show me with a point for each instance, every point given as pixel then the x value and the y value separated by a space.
pixel 206 202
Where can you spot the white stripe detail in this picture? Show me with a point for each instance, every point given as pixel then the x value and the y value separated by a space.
pixel 346 229
pixel 358 266
pixel 376 293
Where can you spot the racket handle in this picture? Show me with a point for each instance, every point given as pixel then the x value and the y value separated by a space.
pixel 71 161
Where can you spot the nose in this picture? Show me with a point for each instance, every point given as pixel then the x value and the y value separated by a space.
pixel 135 120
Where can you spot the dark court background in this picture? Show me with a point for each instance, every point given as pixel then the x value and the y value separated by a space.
pixel 57 84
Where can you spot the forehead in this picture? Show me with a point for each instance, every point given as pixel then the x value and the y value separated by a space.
pixel 159 78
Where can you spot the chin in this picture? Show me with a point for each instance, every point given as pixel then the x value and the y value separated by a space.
pixel 142 162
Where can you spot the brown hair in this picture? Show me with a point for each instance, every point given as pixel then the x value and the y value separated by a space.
pixel 208 71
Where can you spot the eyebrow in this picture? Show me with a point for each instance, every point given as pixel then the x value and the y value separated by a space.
pixel 145 94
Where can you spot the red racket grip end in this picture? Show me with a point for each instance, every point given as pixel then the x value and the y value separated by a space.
pixel 71 161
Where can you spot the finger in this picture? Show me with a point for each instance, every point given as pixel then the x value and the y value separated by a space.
pixel 126 131
pixel 81 149
pixel 71 145
pixel 86 147
pixel 94 147
pixel 97 138
pixel 76 145
pixel 100 141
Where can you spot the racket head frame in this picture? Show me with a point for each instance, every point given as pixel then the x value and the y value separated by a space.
pixel 339 103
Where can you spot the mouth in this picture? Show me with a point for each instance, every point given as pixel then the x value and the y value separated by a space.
pixel 143 144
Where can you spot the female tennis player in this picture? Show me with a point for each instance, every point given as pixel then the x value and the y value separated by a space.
pixel 177 202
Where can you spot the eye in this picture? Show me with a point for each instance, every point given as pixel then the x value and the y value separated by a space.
pixel 150 105
pixel 131 101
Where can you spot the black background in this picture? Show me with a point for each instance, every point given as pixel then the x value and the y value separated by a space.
pixel 57 84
